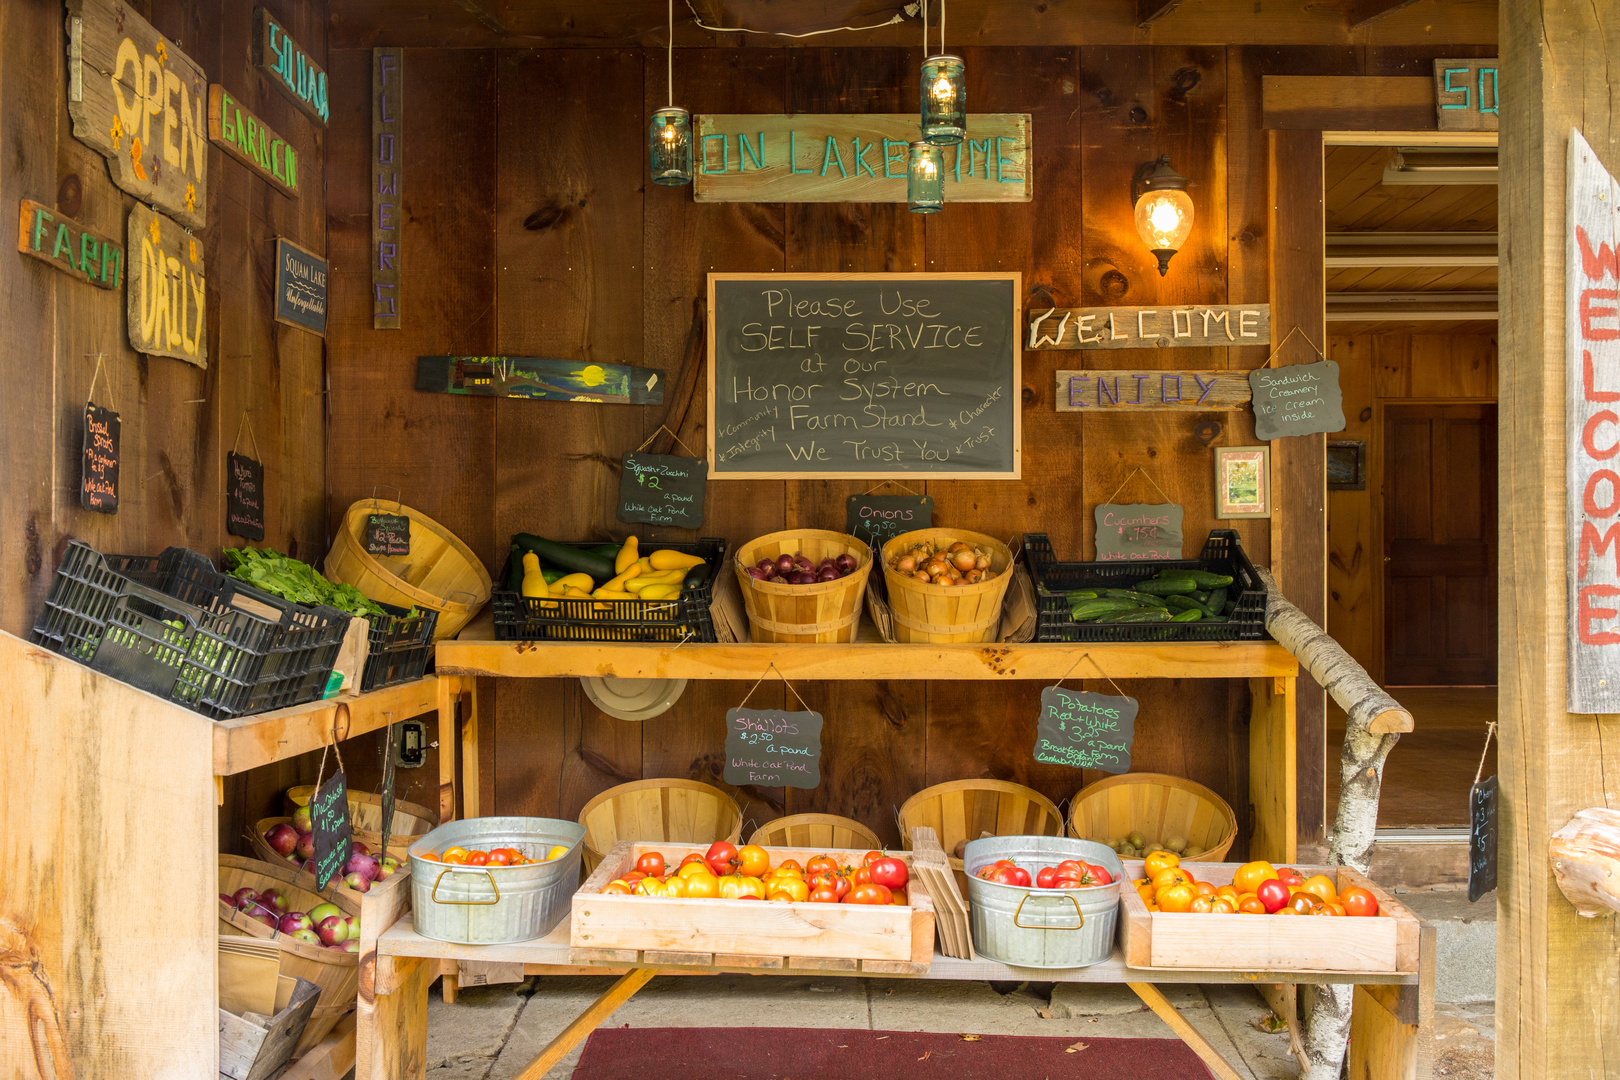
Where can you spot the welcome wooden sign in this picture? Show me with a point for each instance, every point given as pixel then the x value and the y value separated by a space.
pixel 853 158
pixel 1197 326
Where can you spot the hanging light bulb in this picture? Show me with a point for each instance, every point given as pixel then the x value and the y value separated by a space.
pixel 944 97
pixel 1164 210
pixel 925 178
pixel 669 136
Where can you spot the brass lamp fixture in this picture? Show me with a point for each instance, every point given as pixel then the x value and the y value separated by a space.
pixel 1164 210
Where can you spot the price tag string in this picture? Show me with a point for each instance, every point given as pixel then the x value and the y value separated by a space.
pixel 399 503
pixel 90 394
pixel 1296 330
pixel 1127 480
pixel 785 683
pixel 672 435
pixel 252 439
pixel 1100 671
pixel 320 771
pixel 1489 731
pixel 891 483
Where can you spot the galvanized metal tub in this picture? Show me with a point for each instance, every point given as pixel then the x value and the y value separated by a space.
pixel 495 905
pixel 1043 928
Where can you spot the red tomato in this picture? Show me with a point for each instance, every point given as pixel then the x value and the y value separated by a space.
pixel 1005 862
pixel 1047 878
pixel 889 872
pixel 1008 875
pixel 1290 877
pixel 1071 864
pixel 1021 875
pixel 861 876
pixel 825 895
pixel 1358 902
pixel 842 884
pixel 512 854
pixel 987 873
pixel 477 858
pixel 869 894
pixel 1069 881
pixel 651 864
pixel 820 864
pixel 499 857
pixel 722 858
pixel 1101 874
pixel 694 857
pixel 871 857
pixel 1273 894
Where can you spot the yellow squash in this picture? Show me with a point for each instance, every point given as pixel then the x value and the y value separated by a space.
pixel 666 559
pixel 627 555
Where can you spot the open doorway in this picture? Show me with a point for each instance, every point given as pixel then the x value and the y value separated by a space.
pixel 1411 252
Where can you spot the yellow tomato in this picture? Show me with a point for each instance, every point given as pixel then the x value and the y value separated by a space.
pixel 456 855
pixel 557 851
pixel 701 886
pixel 753 861
pixel 1177 897
pixel 1158 860
pixel 650 886
pixel 1227 891
pixel 692 869
pixel 616 888
pixel 1250 875
pixel 674 885
pixel 1170 875
pixel 1321 887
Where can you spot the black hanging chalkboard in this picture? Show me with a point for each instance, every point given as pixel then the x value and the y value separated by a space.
pixel 244 497
pixel 1300 399
pixel 879 518
pixel 334 835
pixel 660 489
pixel 388 534
pixel 1483 800
pixel 772 748
pixel 1138 531
pixel 1085 730
pixel 98 474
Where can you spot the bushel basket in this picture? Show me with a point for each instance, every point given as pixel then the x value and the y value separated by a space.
pixel 828 611
pixel 944 614
pixel 1222 554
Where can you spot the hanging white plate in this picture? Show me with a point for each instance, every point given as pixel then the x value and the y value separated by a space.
pixel 633 699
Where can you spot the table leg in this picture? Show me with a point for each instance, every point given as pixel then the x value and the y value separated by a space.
pixel 605 1006
pixel 1272 770
pixel 1161 1006
pixel 449 700
pixel 1392 1027
pixel 391 1027
pixel 449 980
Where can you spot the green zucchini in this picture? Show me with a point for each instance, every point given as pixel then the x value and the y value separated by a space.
pixel 1182 603
pixel 578 560
pixel 607 551
pixel 1140 615
pixel 1190 615
pixel 695 576
pixel 514 570
pixel 1167 586
pixel 1089 610
pixel 1145 599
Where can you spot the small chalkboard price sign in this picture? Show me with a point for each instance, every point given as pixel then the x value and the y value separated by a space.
pixel 1127 531
pixel 334 834
pixel 244 497
pixel 773 748
pixel 98 475
pixel 1300 399
pixel 388 534
pixel 1085 730
pixel 661 489
pixel 880 518
pixel 1483 800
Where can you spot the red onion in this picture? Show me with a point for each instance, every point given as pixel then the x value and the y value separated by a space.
pixel 757 573
pixel 766 565
pixel 845 563
pixel 784 565
pixel 827 573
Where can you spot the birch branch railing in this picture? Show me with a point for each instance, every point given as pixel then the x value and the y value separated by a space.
pixel 1374 726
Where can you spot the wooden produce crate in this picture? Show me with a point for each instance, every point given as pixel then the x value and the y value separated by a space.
pixel 748 934
pixel 1385 943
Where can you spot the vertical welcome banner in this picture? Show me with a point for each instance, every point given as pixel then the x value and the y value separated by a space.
pixel 1592 431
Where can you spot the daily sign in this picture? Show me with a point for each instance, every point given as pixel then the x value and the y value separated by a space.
pixel 139 101
pixel 289 68
pixel 69 246
pixel 1300 399
pixel 300 287
pixel 772 748
pixel 1085 730
pixel 166 306
pixel 661 489
pixel 1133 531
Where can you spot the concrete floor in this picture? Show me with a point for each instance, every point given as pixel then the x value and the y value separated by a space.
pixel 491 1033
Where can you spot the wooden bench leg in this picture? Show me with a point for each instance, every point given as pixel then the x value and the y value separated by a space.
pixel 1184 1031
pixel 588 1021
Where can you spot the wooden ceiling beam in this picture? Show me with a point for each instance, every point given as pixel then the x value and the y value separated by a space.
pixel 1149 12
pixel 1332 102
pixel 1362 12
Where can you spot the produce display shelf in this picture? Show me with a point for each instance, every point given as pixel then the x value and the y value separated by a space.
pixel 246 742
pixel 476 652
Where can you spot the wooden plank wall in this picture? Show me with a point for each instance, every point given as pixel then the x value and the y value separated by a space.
pixel 530 229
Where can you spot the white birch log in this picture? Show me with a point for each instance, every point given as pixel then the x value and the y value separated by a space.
pixel 1374 726
pixel 1585 857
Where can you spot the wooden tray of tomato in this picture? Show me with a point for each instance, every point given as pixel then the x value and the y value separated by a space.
pixel 1257 917
pixel 753 908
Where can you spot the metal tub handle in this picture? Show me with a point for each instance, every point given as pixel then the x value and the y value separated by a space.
pixel 1027 926
pixel 468 870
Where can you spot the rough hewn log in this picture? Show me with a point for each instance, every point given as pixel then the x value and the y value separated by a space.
pixel 1585 856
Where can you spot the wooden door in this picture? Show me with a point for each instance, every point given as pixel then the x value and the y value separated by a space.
pixel 1439 492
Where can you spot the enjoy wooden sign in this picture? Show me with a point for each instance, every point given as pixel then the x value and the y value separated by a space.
pixel 166 311
pixel 853 157
pixel 1178 391
pixel 249 140
pixel 138 101
pixel 1201 326
pixel 68 246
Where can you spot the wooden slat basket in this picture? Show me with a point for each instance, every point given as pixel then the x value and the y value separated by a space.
pixel 441 573
pixel 815 831
pixel 411 820
pixel 1159 807
pixel 336 973
pixel 967 809
pixel 947 613
pixel 659 810
pixel 828 611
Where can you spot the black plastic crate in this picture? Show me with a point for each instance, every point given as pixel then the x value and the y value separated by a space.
pixel 686 618
pixel 397 648
pixel 177 627
pixel 1222 554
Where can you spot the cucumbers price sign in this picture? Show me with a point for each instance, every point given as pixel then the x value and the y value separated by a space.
pixel 1085 730
pixel 1138 531
pixel 773 748
pixel 334 834
pixel 661 489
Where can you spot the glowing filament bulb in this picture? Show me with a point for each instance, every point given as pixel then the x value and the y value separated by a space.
pixel 928 166
pixel 942 89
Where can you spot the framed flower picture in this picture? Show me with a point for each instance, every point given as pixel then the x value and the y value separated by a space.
pixel 1243 481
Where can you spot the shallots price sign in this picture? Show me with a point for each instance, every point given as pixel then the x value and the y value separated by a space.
pixel 773 748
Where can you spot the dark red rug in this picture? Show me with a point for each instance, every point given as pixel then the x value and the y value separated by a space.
pixel 815 1053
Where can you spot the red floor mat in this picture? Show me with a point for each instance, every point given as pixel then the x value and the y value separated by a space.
pixel 814 1053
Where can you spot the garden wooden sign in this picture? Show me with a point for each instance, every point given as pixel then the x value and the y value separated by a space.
pixel 288 67
pixel 387 168
pixel 139 102
pixel 249 140
pixel 166 311
pixel 1467 94
pixel 854 157
pixel 1592 431
pixel 68 246
pixel 1199 326
pixel 1177 391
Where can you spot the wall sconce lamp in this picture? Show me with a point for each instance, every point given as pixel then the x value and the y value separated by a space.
pixel 1164 210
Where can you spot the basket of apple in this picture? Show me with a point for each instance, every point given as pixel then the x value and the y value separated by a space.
pixel 291 840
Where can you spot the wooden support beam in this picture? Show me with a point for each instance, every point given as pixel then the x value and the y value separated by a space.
pixel 588 1021
pixel 1332 102
pixel 1154 999
pixel 1362 12
pixel 1149 12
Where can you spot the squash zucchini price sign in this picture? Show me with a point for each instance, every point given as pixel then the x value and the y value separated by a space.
pixel 1085 730
pixel 661 489
pixel 772 748
pixel 1138 531
pixel 334 834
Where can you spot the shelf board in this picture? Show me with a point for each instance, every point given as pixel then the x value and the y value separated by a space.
pixel 247 742
pixel 476 653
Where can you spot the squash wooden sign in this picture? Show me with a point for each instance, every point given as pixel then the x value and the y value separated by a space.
pixel 139 101
pixel 167 284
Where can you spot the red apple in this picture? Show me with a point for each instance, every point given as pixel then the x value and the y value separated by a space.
pixel 351 946
pixel 336 948
pixel 358 882
pixel 357 846
pixel 294 921
pixel 244 897
pixel 227 899
pixel 308 937
pixel 362 864
pixel 282 838
pixel 332 930
pixel 321 912
pixel 351 924
pixel 300 821
pixel 273 898
pixel 305 847
pixel 264 917
pixel 387 867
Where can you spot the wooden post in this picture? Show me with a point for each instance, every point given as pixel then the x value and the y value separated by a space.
pixel 1556 973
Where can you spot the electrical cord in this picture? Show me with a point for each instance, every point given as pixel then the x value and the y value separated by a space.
pixel 908 11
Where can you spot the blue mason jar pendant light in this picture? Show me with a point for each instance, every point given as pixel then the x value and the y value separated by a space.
pixel 925 178
pixel 944 96
pixel 669 135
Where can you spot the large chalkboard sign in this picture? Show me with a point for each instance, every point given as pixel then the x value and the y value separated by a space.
pixel 1085 730
pixel 864 375
pixel 1483 800
pixel 773 748
pixel 662 489
pixel 878 519
pixel 334 833
pixel 1300 399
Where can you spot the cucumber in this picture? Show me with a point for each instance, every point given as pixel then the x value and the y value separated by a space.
pixel 1182 603
pixel 1145 599
pixel 695 577
pixel 1167 586
pixel 1190 615
pixel 579 560
pixel 514 570
pixel 1216 601
pixel 607 551
pixel 1089 610
pixel 1204 578
pixel 1229 607
pixel 1200 595
pixel 1079 595
pixel 1140 615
